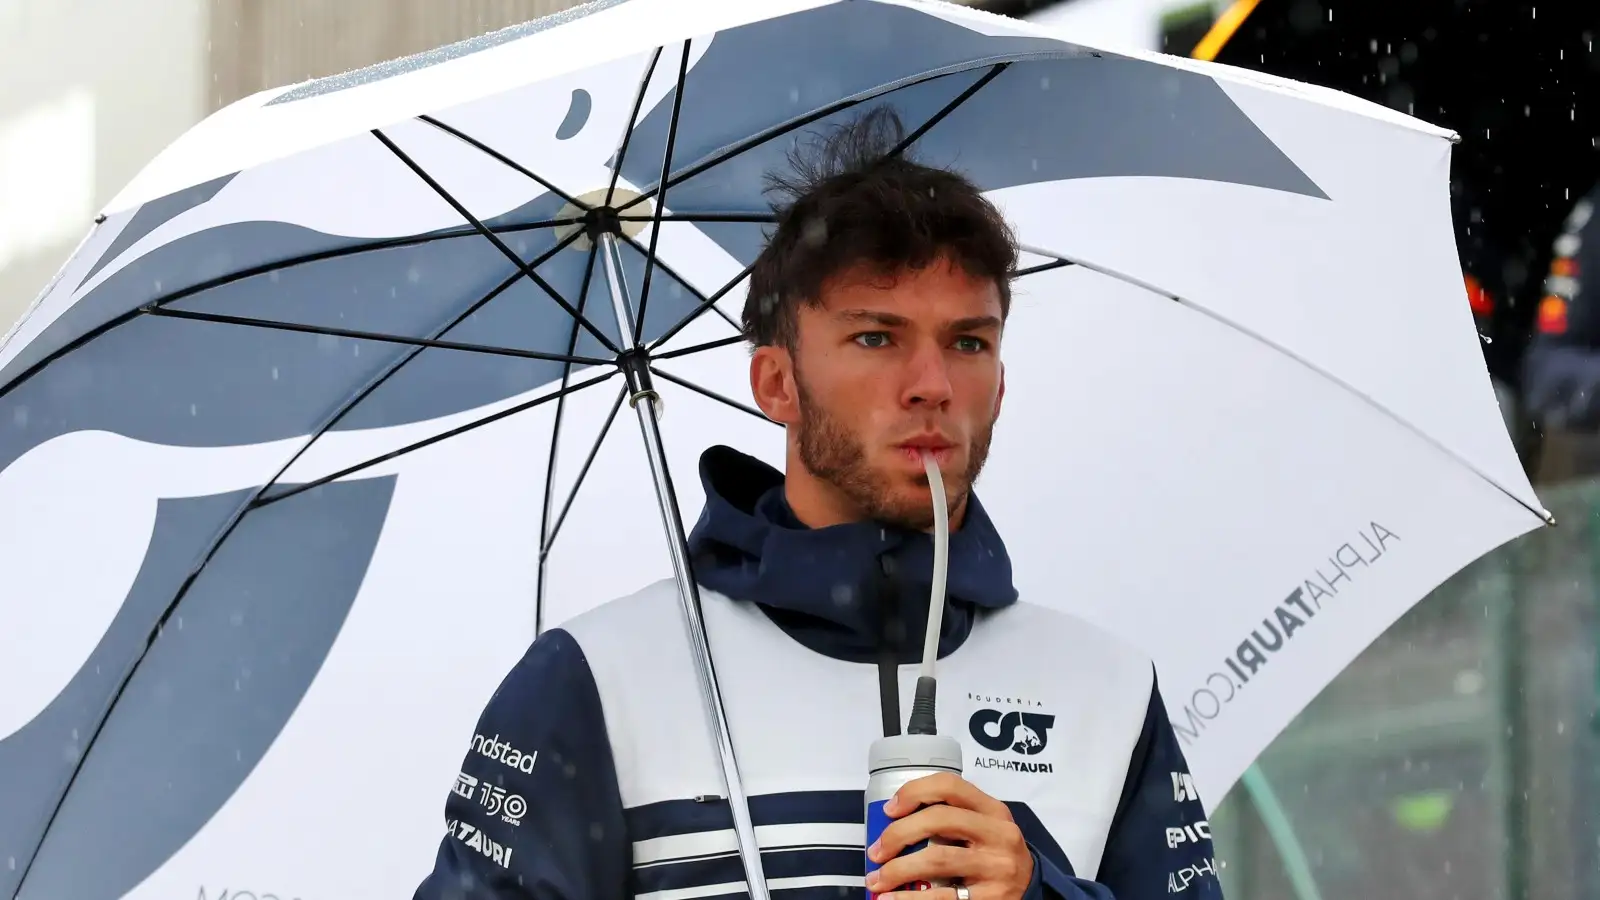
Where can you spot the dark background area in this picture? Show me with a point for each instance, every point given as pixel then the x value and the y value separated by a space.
pixel 1516 79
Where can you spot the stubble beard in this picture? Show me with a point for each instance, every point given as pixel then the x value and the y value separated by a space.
pixel 830 452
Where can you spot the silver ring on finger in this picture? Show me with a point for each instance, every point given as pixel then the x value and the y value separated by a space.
pixel 962 893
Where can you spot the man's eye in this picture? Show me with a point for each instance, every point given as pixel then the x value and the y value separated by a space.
pixel 873 338
pixel 970 344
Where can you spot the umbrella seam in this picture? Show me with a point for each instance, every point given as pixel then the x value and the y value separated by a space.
pixel 1544 516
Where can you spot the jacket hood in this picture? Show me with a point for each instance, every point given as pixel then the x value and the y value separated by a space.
pixel 845 590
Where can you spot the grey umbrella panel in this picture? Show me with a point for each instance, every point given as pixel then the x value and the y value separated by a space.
pixel 258 331
pixel 198 709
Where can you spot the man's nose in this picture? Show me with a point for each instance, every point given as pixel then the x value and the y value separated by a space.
pixel 928 381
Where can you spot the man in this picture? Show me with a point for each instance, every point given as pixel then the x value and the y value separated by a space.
pixel 876 312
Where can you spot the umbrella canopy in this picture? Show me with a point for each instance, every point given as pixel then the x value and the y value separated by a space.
pixel 319 425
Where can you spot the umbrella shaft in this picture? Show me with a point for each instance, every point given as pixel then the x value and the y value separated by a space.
pixel 645 404
pixel 619 290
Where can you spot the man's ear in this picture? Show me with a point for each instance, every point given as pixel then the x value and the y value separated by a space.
pixel 773 386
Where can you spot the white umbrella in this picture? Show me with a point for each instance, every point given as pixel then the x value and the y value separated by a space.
pixel 290 449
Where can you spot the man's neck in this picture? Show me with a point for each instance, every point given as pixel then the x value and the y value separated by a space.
pixel 818 504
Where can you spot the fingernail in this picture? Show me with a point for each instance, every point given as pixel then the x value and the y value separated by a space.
pixel 872 879
pixel 872 852
pixel 890 805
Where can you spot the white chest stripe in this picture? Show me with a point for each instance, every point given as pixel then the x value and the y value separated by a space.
pixel 678 847
pixel 1075 718
pixel 773 884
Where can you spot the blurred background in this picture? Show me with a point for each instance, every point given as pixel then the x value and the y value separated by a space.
pixel 1459 758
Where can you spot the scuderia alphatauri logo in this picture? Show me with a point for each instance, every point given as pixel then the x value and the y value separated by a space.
pixel 1018 736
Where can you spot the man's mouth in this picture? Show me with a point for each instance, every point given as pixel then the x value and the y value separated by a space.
pixel 915 449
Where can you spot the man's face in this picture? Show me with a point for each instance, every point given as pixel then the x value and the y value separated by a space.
pixel 886 369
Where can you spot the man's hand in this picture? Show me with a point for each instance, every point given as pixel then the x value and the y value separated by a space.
pixel 992 860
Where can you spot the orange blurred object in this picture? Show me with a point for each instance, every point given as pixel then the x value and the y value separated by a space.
pixel 1481 301
pixel 1552 317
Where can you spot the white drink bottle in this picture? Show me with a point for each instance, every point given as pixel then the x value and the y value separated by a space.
pixel 893 762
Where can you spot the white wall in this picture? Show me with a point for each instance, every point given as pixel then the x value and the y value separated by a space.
pixel 90 91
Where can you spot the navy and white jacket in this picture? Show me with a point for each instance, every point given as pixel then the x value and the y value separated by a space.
pixel 592 774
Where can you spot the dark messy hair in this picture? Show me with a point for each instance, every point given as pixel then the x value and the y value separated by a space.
pixel 851 200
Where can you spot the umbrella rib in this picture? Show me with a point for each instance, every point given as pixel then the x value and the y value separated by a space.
pixel 379 337
pixel 1544 516
pixel 777 131
pixel 496 155
pixel 633 120
pixel 555 445
pixel 430 441
pixel 707 392
pixel 708 303
pixel 258 270
pixel 705 303
pixel 698 348
pixel 583 473
pixel 492 237
pixel 936 118
pixel 1044 267
pixel 666 169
